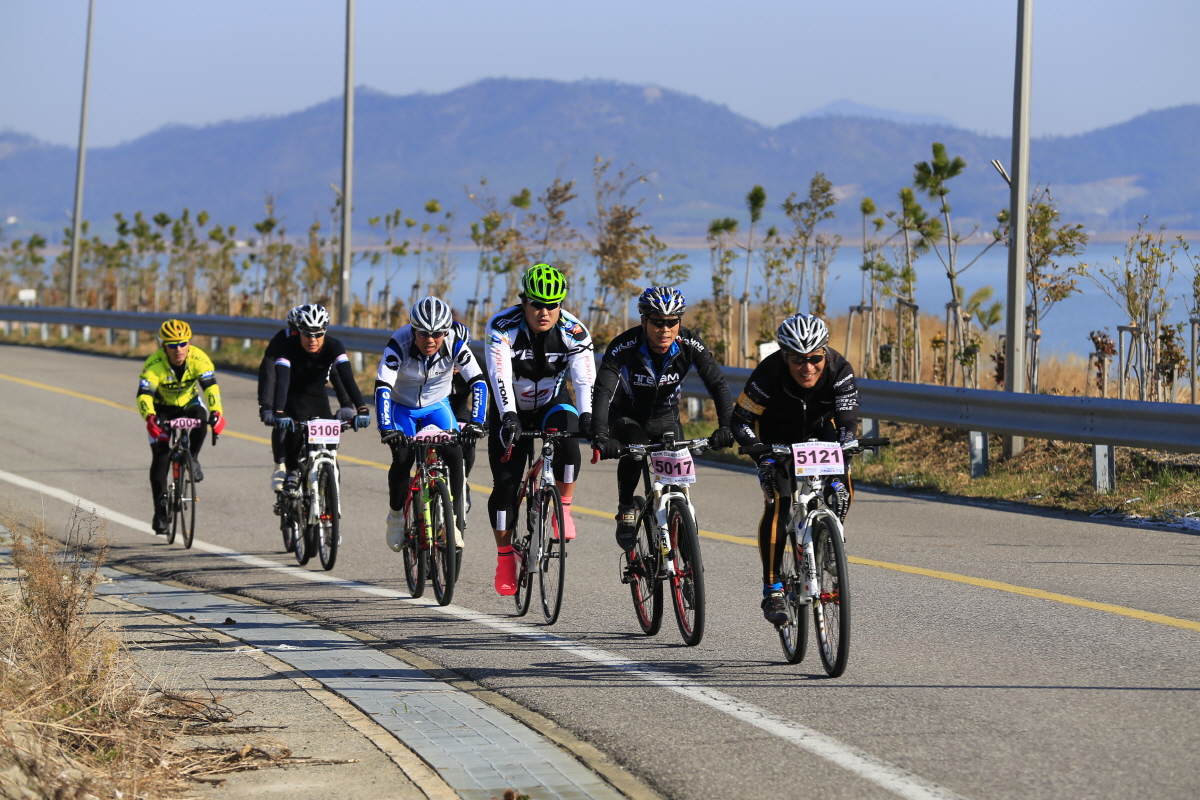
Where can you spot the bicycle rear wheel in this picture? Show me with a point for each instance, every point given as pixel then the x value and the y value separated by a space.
pixel 687 582
pixel 523 546
pixel 644 586
pixel 553 564
pixel 416 557
pixel 328 530
pixel 442 559
pixel 185 498
pixel 287 523
pixel 831 609
pixel 793 635
pixel 305 542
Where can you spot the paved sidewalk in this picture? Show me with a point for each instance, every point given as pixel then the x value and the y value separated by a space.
pixel 475 751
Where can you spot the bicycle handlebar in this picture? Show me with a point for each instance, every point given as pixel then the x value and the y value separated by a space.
pixel 697 446
pixel 761 449
pixel 550 435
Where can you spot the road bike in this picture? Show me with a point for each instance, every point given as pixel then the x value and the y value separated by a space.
pixel 430 541
pixel 538 549
pixel 814 570
pixel 310 516
pixel 668 545
pixel 180 497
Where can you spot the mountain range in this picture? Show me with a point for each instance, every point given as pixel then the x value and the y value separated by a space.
pixel 700 159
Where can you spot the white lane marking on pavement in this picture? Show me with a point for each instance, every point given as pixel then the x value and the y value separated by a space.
pixel 888 776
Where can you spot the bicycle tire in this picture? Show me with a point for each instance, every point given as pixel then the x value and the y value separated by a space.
pixel 645 588
pixel 687 582
pixel 442 559
pixel 831 608
pixel 304 538
pixel 328 529
pixel 553 563
pixel 522 544
pixel 169 497
pixel 287 524
pixel 793 635
pixel 185 488
pixel 416 557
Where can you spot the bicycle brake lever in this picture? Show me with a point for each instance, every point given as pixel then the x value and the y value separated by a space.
pixel 595 456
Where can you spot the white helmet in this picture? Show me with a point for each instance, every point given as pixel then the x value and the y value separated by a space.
pixel 431 315
pixel 663 300
pixel 311 318
pixel 293 318
pixel 802 333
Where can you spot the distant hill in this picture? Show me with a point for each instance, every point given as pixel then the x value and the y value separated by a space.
pixel 848 108
pixel 701 156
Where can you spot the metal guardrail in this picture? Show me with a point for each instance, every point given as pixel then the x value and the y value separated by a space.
pixel 1126 423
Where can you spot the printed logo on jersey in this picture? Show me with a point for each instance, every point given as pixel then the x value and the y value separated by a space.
pixel 535 395
pixel 464 356
pixel 144 384
pixel 846 403
pixel 208 374
pixel 623 346
pixel 693 342
pixel 754 408
pixel 844 380
pixel 391 361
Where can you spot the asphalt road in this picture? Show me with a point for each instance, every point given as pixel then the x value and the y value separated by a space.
pixel 996 653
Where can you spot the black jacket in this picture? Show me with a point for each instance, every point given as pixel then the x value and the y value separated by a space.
pixel 300 376
pixel 629 384
pixel 266 373
pixel 773 409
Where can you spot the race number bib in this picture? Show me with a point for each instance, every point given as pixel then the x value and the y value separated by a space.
pixel 673 466
pixel 184 423
pixel 324 431
pixel 432 435
pixel 818 458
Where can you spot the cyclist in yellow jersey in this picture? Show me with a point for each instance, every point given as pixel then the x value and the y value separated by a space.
pixel 170 385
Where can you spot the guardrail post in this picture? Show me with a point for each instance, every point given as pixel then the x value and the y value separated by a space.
pixel 87 333
pixel 215 343
pixel 870 430
pixel 7 327
pixel 64 332
pixel 110 337
pixel 45 332
pixel 245 345
pixel 695 409
pixel 1104 468
pixel 978 443
pixel 133 339
pixel 359 361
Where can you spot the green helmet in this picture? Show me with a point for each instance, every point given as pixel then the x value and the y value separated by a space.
pixel 544 284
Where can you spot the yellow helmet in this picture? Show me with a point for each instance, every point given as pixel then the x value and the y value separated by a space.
pixel 175 330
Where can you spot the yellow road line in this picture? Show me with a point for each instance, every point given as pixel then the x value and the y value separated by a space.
pixel 1133 613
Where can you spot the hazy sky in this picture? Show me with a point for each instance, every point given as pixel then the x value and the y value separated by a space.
pixel 1096 62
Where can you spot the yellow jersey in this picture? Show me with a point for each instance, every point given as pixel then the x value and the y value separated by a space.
pixel 177 386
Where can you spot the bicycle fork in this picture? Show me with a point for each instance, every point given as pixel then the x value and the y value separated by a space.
pixel 664 530
pixel 811 584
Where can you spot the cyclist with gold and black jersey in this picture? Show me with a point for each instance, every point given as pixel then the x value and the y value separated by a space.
pixel 806 390
pixel 169 387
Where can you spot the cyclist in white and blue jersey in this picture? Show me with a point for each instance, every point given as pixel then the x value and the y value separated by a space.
pixel 412 391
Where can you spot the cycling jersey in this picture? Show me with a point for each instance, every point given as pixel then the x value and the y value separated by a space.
pixel 642 385
pixel 266 372
pixel 167 385
pixel 300 378
pixel 407 378
pixel 528 369
pixel 774 409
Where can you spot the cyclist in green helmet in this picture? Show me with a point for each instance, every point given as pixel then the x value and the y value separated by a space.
pixel 529 349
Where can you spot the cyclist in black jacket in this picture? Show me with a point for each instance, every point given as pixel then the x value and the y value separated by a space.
pixel 639 385
pixel 805 390
pixel 266 394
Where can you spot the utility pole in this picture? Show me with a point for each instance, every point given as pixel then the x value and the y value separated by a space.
pixel 1014 346
pixel 77 216
pixel 347 168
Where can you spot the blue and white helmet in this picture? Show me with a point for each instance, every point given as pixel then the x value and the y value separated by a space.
pixel 432 315
pixel 662 300
pixel 311 318
pixel 802 333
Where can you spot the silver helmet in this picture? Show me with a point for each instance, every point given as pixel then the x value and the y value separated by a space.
pixel 311 318
pixel 293 318
pixel 802 333
pixel 662 300
pixel 431 314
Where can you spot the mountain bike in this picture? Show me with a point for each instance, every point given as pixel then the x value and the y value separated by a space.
pixel 538 549
pixel 430 536
pixel 180 498
pixel 310 517
pixel 668 546
pixel 814 570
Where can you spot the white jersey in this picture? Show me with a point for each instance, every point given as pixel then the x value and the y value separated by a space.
pixel 527 371
pixel 407 378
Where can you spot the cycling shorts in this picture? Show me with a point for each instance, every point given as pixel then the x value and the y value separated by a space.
pixel 411 420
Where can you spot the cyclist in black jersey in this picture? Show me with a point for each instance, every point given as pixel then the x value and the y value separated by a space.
pixel 803 391
pixel 301 372
pixel 636 399
pixel 266 395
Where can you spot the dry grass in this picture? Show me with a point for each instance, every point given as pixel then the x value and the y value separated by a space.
pixel 77 718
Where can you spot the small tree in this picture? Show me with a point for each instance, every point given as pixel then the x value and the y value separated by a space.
pixel 715 314
pixel 617 245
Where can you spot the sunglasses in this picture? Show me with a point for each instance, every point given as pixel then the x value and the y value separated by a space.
pixel 800 360
pixel 543 306
pixel 176 345
pixel 430 334
pixel 659 322
pixel 316 335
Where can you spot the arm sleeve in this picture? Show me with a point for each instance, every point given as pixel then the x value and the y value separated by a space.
pixel 339 387
pixel 266 370
pixel 749 409
pixel 283 379
pixel 602 395
pixel 583 369
pixel 845 401
pixel 385 379
pixel 714 381
pixel 147 385
pixel 472 373
pixel 341 365
pixel 208 384
pixel 497 352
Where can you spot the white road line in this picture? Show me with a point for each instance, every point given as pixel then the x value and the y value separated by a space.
pixel 888 776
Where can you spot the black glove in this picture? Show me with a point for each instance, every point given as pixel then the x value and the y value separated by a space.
pixel 344 414
pixel 585 424
pixel 396 439
pixel 608 448
pixel 471 433
pixel 766 478
pixel 267 415
pixel 510 429
pixel 721 438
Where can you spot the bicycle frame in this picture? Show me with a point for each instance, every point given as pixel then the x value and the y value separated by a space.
pixel 810 495
pixel 317 455
pixel 429 465
pixel 664 494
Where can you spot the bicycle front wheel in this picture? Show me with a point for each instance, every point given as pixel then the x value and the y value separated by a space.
pixel 552 564
pixel 687 581
pixel 185 498
pixel 328 528
pixel 416 562
pixel 523 550
pixel 793 635
pixel 442 559
pixel 644 586
pixel 831 609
